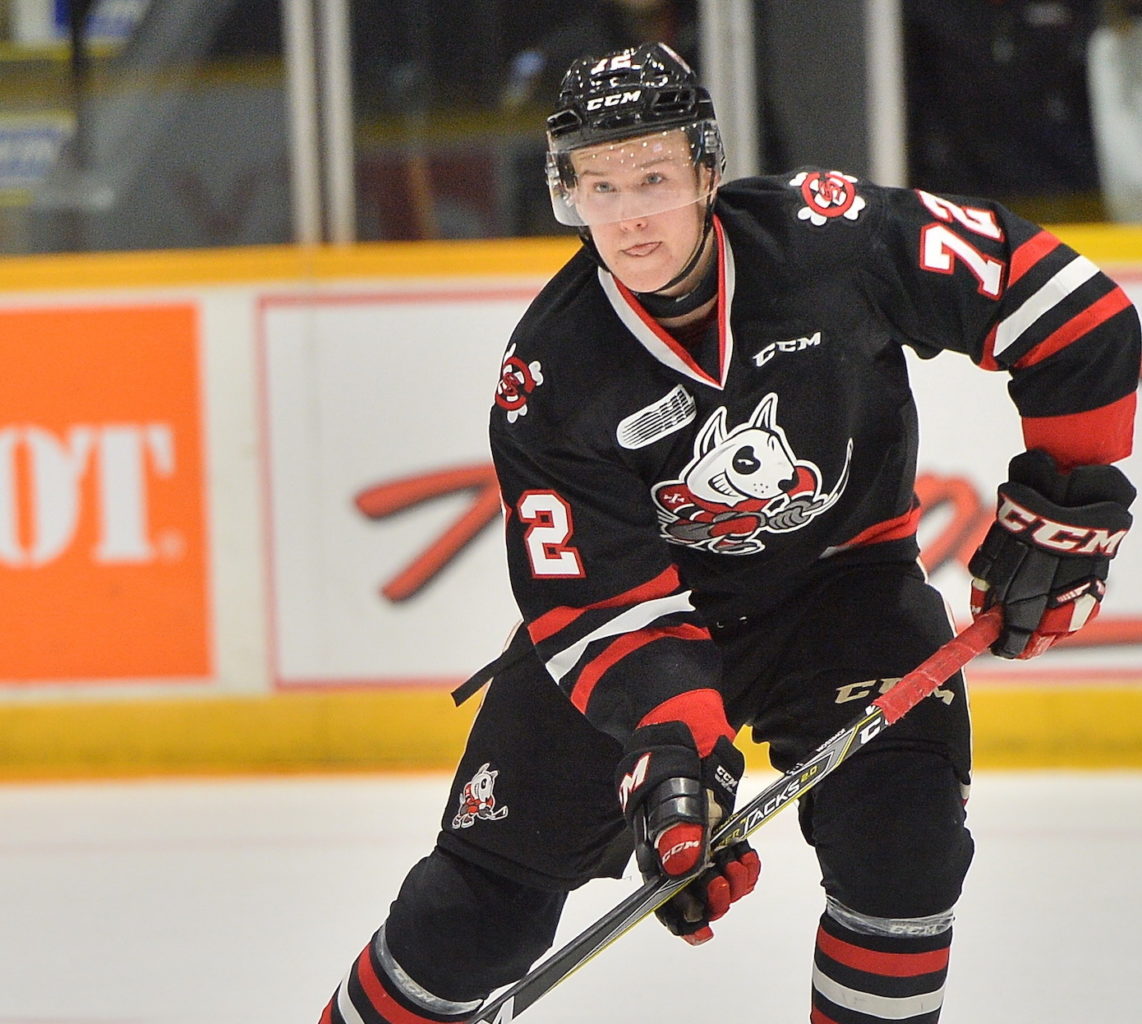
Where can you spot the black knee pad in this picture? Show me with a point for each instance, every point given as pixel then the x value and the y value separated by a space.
pixel 460 931
pixel 889 832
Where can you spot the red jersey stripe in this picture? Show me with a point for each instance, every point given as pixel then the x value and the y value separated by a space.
pixel 1093 438
pixel 817 1017
pixel 551 622
pixel 723 308
pixel 1095 314
pixel 891 529
pixel 623 645
pixel 987 356
pixel 680 351
pixel 1030 253
pixel 887 965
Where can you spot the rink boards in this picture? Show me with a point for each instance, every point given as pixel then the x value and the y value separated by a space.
pixel 248 522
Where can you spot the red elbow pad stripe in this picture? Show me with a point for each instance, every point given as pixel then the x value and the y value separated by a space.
pixel 1095 438
pixel 701 711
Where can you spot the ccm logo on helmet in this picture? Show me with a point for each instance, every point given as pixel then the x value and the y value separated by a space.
pixel 1046 533
pixel 616 99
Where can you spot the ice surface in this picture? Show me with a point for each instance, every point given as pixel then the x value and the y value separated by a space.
pixel 244 901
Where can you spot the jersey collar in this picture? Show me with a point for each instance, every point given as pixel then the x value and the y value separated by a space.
pixel 658 342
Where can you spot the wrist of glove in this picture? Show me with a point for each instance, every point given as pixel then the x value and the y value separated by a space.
pixel 673 801
pixel 1046 557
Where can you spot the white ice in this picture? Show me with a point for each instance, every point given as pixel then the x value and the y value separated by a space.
pixel 244 901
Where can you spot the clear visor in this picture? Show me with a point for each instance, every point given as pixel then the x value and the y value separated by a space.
pixel 629 179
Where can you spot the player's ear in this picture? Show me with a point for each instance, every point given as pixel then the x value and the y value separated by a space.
pixel 708 178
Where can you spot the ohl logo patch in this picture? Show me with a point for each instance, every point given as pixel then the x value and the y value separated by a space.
pixel 827 196
pixel 477 801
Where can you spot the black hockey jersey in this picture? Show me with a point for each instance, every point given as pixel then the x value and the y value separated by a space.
pixel 651 489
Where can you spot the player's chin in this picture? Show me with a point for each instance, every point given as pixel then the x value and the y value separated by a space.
pixel 643 274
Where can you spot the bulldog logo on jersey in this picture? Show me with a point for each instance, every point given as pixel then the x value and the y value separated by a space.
pixel 478 801
pixel 827 196
pixel 742 483
pixel 517 381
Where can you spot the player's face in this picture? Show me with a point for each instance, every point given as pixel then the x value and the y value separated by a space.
pixel 644 203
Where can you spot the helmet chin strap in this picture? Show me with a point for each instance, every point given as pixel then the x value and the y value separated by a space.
pixel 665 307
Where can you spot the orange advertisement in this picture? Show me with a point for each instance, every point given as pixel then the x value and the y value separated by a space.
pixel 102 502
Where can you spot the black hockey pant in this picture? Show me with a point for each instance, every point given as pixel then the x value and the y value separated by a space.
pixel 532 814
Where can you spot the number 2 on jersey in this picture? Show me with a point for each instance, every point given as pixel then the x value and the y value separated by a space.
pixel 549 528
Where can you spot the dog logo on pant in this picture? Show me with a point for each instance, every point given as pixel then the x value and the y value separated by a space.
pixel 478 801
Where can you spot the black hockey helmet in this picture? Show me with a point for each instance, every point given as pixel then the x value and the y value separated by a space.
pixel 646 90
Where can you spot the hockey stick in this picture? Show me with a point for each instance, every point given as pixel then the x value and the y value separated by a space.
pixel 884 711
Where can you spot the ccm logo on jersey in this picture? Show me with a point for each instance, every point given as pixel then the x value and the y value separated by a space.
pixel 792 345
pixel 1046 533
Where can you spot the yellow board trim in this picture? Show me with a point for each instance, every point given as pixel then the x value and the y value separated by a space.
pixel 1071 727
pixel 385 730
pixel 420 730
pixel 534 257
pixel 530 257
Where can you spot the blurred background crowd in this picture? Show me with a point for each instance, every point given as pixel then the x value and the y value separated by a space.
pixel 139 124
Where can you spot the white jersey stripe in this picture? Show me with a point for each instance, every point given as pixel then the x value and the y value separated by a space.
pixel 650 341
pixel 638 617
pixel 345 1004
pixel 884 1007
pixel 1072 276
pixel 731 281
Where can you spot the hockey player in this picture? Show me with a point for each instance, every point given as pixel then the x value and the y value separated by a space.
pixel 706 445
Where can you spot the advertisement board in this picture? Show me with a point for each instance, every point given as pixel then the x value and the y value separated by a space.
pixel 386 567
pixel 384 561
pixel 248 519
pixel 103 540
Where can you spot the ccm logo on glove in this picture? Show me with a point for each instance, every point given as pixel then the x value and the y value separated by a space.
pixel 681 849
pixel 726 779
pixel 673 800
pixel 1046 557
pixel 1061 537
pixel 633 779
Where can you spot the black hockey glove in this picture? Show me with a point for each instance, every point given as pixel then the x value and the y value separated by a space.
pixel 1045 558
pixel 673 800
